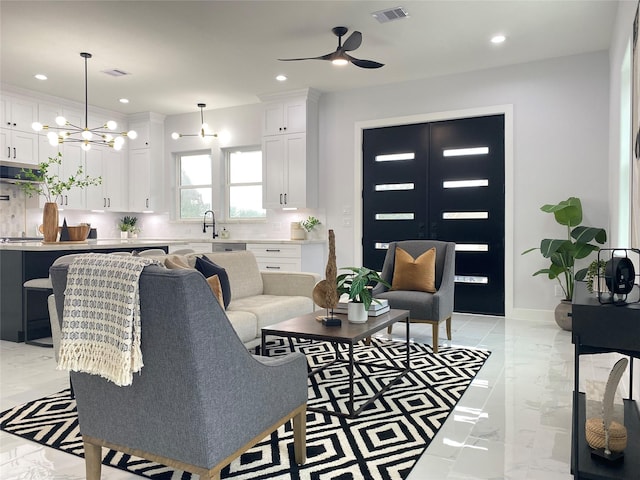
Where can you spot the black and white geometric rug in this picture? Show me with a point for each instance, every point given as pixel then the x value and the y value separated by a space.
pixel 383 442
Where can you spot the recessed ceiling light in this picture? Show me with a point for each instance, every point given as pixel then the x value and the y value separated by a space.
pixel 124 100
pixel 40 76
pixel 498 39
pixel 281 78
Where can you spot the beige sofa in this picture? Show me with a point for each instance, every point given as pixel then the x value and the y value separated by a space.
pixel 259 298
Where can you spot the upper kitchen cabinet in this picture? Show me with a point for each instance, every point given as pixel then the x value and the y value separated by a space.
pixel 18 141
pixel 146 163
pixel 112 194
pixel 287 116
pixel 290 149
pixel 17 113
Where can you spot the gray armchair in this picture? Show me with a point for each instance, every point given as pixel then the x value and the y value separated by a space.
pixel 425 307
pixel 201 398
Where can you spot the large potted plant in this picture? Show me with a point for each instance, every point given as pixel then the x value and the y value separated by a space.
pixel 46 182
pixel 563 253
pixel 358 284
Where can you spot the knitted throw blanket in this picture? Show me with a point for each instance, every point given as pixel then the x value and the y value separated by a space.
pixel 101 321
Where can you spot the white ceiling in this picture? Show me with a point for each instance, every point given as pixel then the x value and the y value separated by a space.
pixel 224 53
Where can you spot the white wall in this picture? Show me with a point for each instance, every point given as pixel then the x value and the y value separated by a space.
pixel 560 149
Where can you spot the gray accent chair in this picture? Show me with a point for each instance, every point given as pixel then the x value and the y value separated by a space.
pixel 425 307
pixel 201 399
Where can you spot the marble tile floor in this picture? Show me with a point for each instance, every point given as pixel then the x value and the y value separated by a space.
pixel 514 421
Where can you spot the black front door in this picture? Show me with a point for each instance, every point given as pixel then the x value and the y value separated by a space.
pixel 440 180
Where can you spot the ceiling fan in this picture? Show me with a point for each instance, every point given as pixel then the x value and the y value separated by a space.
pixel 340 56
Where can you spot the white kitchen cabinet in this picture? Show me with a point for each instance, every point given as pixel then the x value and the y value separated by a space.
pixel 111 194
pixel 277 257
pixel 115 179
pixel 18 141
pixel 290 150
pixel 17 113
pixel 146 164
pixel 284 170
pixel 72 158
pixel 18 147
pixel 287 116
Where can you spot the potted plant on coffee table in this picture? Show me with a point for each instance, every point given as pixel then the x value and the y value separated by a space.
pixel 564 252
pixel 358 284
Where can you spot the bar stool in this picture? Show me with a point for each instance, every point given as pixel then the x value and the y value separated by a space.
pixel 34 285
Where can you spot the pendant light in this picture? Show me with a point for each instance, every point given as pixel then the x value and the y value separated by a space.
pixel 70 133
pixel 203 127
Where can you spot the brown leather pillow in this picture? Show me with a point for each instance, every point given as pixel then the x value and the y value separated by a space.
pixel 415 274
pixel 216 288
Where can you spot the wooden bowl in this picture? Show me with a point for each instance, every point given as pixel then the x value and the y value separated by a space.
pixel 78 233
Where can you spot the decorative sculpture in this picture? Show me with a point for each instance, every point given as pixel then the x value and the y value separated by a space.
pixel 325 293
pixel 607 437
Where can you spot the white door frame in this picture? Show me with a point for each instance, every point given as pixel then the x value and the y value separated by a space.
pixel 507 111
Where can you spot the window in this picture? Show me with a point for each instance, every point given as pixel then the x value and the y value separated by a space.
pixel 194 185
pixel 244 184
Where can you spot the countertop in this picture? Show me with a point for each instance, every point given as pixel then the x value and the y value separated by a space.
pixel 89 244
pixel 251 240
pixel 138 243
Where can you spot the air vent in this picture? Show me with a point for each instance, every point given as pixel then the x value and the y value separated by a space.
pixel 114 72
pixel 395 13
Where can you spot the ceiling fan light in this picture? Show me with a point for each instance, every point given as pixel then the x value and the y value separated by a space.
pixel 340 61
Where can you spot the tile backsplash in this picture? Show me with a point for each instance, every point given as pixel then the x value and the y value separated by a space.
pixel 21 216
pixel 12 211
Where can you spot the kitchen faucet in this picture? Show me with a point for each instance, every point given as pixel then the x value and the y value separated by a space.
pixel 212 224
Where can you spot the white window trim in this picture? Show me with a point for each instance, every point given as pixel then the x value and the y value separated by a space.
pixel 226 152
pixel 178 185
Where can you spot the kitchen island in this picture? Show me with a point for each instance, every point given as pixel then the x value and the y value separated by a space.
pixel 22 261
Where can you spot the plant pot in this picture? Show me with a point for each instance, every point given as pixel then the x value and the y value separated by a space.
pixel 50 222
pixel 356 312
pixel 124 235
pixel 563 315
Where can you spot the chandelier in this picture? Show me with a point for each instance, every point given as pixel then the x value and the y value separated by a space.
pixel 103 135
pixel 204 128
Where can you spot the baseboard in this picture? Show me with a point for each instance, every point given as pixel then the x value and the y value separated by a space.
pixel 542 316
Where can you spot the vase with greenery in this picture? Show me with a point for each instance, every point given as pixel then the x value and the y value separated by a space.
pixel 564 252
pixel 45 181
pixel 358 284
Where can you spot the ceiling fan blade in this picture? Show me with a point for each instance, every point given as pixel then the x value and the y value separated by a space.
pixel 328 56
pixel 364 63
pixel 353 42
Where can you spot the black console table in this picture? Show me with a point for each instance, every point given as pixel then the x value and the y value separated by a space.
pixel 603 328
